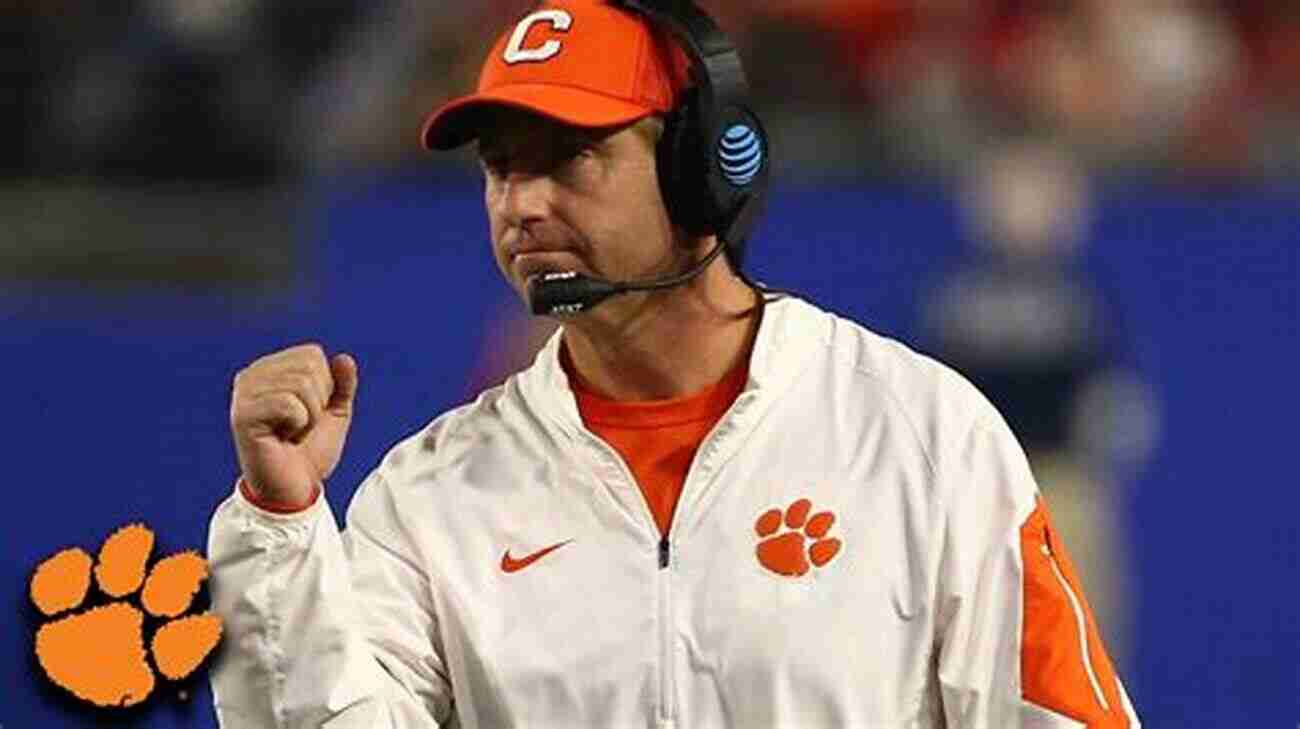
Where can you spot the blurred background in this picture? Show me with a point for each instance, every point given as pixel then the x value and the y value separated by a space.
pixel 1086 206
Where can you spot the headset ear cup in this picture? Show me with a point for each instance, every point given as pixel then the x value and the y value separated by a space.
pixel 738 176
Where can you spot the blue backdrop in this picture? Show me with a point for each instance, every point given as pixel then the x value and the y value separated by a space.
pixel 116 404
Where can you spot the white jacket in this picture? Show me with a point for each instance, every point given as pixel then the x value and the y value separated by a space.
pixel 408 618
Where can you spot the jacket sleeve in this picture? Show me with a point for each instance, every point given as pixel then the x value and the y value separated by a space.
pixel 324 628
pixel 1018 645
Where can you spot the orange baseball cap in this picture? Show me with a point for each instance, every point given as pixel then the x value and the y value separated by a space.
pixel 581 62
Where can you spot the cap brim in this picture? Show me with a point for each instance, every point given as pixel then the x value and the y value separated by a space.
pixel 457 123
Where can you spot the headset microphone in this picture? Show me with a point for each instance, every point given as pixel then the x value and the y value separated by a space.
pixel 557 294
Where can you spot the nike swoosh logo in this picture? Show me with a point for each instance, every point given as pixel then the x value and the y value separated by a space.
pixel 510 564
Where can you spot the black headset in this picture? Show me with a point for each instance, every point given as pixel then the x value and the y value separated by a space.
pixel 714 159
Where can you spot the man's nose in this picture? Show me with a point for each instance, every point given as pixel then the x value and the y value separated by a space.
pixel 526 197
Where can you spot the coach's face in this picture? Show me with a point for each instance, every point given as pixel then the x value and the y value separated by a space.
pixel 563 198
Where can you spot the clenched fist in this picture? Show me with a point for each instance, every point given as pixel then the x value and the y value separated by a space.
pixel 290 412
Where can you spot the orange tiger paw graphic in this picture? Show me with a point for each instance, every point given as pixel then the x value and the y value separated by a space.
pixel 787 554
pixel 99 654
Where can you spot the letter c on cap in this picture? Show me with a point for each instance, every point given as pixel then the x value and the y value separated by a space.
pixel 516 53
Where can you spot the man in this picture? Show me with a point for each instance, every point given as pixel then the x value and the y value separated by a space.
pixel 697 508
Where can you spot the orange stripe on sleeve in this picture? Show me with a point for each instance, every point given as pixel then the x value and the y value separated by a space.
pixel 1063 662
pixel 276 507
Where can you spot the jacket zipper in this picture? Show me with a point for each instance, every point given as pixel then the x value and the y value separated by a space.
pixel 665 637
pixel 1081 622
pixel 665 708
pixel 667 712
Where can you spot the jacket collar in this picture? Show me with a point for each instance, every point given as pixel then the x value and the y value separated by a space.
pixel 791 331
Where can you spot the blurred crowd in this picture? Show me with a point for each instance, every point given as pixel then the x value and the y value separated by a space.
pixel 159 89
pixel 1185 86
pixel 251 89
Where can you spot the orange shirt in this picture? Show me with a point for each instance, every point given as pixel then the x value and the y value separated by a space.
pixel 657 438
